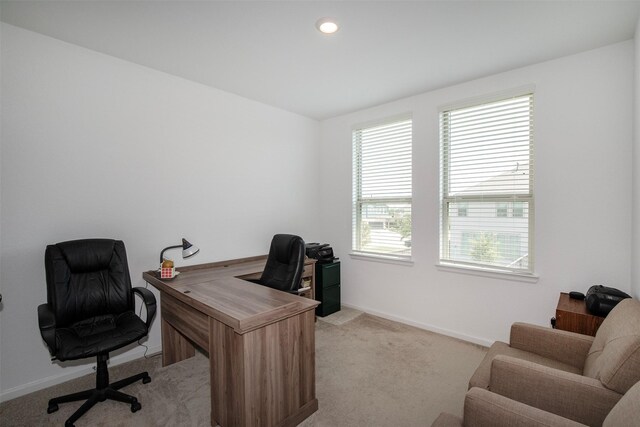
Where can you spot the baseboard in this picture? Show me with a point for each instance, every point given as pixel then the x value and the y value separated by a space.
pixel 71 374
pixel 475 340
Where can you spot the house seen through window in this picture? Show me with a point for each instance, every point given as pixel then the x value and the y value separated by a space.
pixel 486 181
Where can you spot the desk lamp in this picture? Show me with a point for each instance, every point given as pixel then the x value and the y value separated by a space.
pixel 188 250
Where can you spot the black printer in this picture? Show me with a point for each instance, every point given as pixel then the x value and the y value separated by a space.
pixel 321 252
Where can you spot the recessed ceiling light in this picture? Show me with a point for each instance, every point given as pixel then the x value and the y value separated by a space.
pixel 327 25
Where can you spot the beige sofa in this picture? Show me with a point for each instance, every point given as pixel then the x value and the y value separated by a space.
pixel 577 377
pixel 483 408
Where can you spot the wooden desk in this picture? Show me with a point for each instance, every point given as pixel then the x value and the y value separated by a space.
pixel 572 315
pixel 260 341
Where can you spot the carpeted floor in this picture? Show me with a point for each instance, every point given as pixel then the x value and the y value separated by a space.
pixel 369 372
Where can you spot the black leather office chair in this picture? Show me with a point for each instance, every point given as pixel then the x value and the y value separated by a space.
pixel 285 263
pixel 90 311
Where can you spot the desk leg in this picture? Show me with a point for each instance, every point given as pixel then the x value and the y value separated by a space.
pixel 265 377
pixel 226 365
pixel 175 347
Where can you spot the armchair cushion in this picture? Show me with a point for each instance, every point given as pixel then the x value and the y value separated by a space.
pixel 614 357
pixel 569 395
pixel 482 375
pixel 483 408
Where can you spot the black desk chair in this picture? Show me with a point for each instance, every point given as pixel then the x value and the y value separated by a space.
pixel 285 263
pixel 90 311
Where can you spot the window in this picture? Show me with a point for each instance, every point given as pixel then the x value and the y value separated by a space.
pixel 487 172
pixel 462 209
pixel 501 211
pixel 518 210
pixel 382 189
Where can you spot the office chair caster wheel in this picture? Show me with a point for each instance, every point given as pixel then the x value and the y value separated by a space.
pixel 136 406
pixel 68 424
pixel 53 407
pixel 146 380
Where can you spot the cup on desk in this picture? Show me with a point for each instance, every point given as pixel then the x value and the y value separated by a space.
pixel 167 270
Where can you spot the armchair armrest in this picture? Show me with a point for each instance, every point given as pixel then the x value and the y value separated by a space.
pixel 483 408
pixel 47 325
pixel 149 300
pixel 569 395
pixel 563 346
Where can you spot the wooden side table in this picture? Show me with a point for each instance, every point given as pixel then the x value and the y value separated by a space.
pixel 572 316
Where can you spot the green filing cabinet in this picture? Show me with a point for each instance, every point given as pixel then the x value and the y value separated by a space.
pixel 328 288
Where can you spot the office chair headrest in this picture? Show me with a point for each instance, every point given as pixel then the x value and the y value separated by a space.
pixel 88 255
pixel 282 246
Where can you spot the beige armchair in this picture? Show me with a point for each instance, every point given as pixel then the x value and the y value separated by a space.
pixel 483 408
pixel 577 377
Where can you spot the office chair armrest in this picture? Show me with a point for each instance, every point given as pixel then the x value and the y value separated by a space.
pixel 149 300
pixel 47 324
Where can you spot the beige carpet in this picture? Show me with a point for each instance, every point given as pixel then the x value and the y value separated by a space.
pixel 370 372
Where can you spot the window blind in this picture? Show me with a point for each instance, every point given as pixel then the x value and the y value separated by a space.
pixel 487 185
pixel 382 189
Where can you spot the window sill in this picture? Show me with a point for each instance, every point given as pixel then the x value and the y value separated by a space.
pixel 389 259
pixel 497 274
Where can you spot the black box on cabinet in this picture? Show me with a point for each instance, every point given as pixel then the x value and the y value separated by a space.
pixel 328 288
pixel 322 252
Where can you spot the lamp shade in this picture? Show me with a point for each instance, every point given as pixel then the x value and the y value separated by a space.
pixel 188 250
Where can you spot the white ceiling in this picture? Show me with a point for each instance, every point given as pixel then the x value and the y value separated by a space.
pixel 271 52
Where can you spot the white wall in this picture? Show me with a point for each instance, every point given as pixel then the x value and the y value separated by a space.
pixel 93 146
pixel 635 252
pixel 583 143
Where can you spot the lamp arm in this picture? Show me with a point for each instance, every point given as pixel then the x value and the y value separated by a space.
pixel 169 247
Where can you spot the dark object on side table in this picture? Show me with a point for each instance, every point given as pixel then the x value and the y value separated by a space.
pixel 90 312
pixel 576 295
pixel 602 299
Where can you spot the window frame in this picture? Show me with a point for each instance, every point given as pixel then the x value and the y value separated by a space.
pixel 357 252
pixel 511 199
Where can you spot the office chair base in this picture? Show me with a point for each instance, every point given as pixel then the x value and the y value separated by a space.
pixel 102 392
